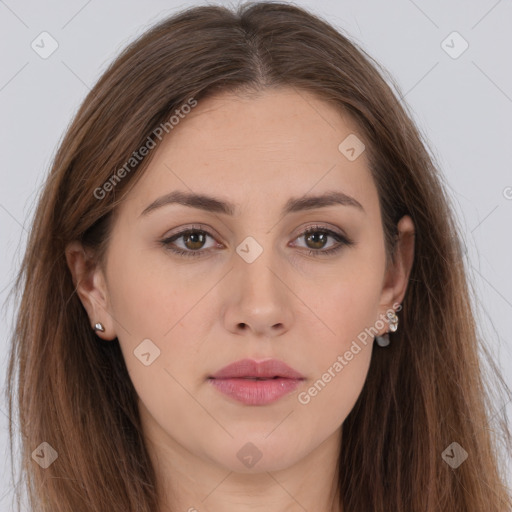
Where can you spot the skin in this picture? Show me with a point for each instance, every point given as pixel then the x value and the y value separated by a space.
pixel 206 312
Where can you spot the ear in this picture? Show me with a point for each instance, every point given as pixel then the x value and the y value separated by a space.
pixel 397 274
pixel 90 285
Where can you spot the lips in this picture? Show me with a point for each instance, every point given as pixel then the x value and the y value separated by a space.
pixel 251 369
pixel 256 383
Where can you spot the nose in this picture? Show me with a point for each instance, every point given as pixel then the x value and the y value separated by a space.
pixel 259 302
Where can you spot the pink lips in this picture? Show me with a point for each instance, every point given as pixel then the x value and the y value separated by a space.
pixel 256 383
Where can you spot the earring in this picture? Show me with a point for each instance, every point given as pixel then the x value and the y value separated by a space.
pixel 99 327
pixel 383 341
pixel 393 321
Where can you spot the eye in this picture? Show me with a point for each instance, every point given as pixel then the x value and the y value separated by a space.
pixel 193 241
pixel 316 238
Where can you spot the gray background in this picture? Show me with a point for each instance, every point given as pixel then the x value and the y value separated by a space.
pixel 463 105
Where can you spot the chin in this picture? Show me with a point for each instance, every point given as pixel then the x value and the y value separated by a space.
pixel 257 454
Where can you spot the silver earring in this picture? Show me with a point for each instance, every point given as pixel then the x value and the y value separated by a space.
pixel 393 321
pixel 99 327
pixel 383 341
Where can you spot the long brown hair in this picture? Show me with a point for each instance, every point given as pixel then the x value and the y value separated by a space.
pixel 423 393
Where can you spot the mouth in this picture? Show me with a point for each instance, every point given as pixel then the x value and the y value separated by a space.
pixel 258 378
pixel 256 383
pixel 252 369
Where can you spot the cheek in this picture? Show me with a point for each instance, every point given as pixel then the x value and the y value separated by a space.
pixel 349 303
pixel 150 300
pixel 341 357
pixel 331 395
pixel 146 299
pixel 349 308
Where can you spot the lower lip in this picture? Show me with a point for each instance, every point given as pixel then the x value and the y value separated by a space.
pixel 256 392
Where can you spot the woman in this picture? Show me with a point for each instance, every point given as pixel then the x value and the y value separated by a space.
pixel 244 289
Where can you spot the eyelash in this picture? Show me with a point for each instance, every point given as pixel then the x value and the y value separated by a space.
pixel 342 241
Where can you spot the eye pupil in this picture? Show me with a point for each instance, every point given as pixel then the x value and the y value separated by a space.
pixel 318 237
pixel 196 238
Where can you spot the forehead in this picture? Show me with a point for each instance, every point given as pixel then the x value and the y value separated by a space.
pixel 253 149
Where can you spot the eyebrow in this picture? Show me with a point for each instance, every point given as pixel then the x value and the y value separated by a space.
pixel 215 205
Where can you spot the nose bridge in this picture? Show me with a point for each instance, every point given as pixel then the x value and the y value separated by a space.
pixel 257 263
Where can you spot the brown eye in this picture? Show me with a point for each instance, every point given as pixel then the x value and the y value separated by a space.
pixel 190 242
pixel 194 240
pixel 316 239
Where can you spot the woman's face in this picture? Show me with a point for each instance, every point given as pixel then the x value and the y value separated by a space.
pixel 249 283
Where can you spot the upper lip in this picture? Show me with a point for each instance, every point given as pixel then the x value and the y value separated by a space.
pixel 263 369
